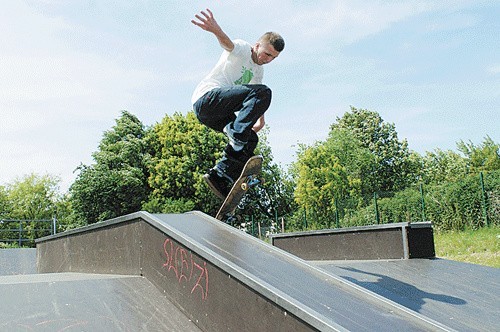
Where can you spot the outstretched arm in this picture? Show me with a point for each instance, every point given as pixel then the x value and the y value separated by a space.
pixel 208 23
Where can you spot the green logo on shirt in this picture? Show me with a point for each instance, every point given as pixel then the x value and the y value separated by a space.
pixel 246 76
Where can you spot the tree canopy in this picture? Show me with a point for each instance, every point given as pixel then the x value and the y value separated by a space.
pixel 182 150
pixel 484 157
pixel 160 169
pixel 31 197
pixel 117 183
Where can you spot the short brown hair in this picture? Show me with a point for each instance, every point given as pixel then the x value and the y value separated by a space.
pixel 274 39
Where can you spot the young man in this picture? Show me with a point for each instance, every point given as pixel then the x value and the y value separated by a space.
pixel 233 100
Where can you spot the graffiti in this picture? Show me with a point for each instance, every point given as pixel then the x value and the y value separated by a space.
pixel 187 270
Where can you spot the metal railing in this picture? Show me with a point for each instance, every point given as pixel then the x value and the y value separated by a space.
pixel 24 232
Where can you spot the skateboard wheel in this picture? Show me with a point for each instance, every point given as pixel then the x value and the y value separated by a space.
pixel 244 186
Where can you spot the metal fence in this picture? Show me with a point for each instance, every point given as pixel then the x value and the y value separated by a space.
pixel 24 232
pixel 470 202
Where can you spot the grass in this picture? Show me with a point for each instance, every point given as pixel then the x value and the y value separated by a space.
pixel 480 246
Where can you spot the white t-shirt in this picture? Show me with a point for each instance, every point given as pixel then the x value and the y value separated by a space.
pixel 233 68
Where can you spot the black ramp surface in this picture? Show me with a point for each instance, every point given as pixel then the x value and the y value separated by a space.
pixel 293 284
pixel 85 302
pixel 463 296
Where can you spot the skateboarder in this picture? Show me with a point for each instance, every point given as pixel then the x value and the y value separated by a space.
pixel 232 99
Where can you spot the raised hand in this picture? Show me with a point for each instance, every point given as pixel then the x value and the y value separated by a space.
pixel 208 23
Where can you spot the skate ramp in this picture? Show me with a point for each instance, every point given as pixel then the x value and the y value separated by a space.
pixel 86 302
pixel 465 296
pixel 17 261
pixel 223 279
pixel 402 240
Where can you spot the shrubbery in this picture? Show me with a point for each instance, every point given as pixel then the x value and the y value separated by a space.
pixel 450 206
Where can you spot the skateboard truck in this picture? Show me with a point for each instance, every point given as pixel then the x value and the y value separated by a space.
pixel 231 220
pixel 251 182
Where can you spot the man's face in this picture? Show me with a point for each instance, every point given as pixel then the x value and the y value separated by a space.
pixel 264 53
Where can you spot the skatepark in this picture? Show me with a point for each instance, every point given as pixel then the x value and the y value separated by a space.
pixel 191 272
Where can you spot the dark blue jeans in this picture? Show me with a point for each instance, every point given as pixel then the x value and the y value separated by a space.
pixel 239 107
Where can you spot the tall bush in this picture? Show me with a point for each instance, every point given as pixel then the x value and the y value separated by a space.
pixel 450 206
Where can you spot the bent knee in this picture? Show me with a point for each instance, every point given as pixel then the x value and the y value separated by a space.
pixel 265 92
pixel 264 95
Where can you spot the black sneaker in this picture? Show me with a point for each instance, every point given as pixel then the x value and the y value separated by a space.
pixel 218 184
pixel 233 162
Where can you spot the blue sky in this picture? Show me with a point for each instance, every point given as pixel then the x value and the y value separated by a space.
pixel 68 68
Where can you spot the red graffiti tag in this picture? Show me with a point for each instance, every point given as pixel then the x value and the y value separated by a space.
pixel 186 269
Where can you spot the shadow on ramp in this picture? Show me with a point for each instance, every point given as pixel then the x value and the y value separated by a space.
pixel 463 295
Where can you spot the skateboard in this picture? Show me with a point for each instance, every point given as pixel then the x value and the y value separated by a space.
pixel 248 179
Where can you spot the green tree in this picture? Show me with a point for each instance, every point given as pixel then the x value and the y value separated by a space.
pixel 443 166
pixel 4 203
pixel 33 197
pixel 329 173
pixel 393 167
pixel 117 183
pixel 182 150
pixel 485 157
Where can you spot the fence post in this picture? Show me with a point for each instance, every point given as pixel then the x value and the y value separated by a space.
pixel 253 225
pixel 54 228
pixel 377 216
pixel 484 201
pixel 328 222
pixel 423 201
pixel 20 240
pixel 337 222
pixel 305 218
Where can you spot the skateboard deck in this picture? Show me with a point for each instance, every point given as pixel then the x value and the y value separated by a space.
pixel 247 180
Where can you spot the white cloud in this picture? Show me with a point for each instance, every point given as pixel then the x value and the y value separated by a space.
pixel 494 69
pixel 350 21
pixel 35 78
pixel 36 63
pixel 56 99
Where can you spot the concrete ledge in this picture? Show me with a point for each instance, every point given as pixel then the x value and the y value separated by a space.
pixel 387 241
